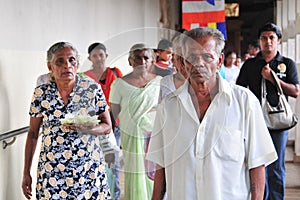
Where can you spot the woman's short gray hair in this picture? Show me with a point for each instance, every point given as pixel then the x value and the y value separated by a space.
pixel 58 46
pixel 140 47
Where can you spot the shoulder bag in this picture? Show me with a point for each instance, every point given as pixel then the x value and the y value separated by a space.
pixel 280 117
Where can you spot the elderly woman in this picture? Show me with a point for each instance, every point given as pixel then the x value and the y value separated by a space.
pixel 134 98
pixel 71 164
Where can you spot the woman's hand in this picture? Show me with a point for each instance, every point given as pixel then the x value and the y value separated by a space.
pixel 87 128
pixel 96 129
pixel 80 127
pixel 26 185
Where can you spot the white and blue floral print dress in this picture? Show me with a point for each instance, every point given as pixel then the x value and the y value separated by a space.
pixel 71 164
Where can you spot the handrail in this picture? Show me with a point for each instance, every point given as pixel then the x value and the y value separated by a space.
pixel 12 134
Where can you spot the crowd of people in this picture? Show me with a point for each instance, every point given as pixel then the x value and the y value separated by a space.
pixel 186 127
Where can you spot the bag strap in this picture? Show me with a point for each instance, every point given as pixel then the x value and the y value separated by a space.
pixel 277 81
pixel 264 86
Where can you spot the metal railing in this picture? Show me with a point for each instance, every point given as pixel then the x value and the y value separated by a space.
pixel 11 135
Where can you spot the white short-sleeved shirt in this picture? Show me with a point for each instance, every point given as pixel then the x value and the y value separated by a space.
pixel 166 86
pixel 211 159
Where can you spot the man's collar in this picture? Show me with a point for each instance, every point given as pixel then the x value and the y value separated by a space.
pixel 223 88
pixel 278 56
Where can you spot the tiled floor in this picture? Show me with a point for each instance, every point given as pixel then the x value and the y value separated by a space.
pixel 292 181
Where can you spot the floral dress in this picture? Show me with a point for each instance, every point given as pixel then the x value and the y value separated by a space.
pixel 71 164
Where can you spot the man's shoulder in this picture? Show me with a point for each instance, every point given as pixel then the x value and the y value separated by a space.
pixel 285 60
pixel 252 65
pixel 242 92
pixel 252 61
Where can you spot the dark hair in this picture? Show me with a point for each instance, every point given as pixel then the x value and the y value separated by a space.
pixel 96 45
pixel 229 53
pixel 164 44
pixel 254 44
pixel 270 27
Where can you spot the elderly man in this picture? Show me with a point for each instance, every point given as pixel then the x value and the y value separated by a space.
pixel 209 140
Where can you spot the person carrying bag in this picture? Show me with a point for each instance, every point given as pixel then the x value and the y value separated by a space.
pixel 281 116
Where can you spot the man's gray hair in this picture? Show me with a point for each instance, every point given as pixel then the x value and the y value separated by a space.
pixel 58 46
pixel 205 32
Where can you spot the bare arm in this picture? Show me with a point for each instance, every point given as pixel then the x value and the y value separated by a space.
pixel 30 146
pixel 257 181
pixel 159 184
pixel 290 89
pixel 105 124
pixel 115 110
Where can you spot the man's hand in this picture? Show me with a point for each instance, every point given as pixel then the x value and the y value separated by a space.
pixel 266 73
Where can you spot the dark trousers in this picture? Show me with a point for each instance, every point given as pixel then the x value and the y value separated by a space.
pixel 275 172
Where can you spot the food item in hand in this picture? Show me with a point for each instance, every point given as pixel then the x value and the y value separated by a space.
pixel 86 119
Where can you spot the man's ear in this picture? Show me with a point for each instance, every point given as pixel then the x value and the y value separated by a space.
pixel 279 41
pixel 221 60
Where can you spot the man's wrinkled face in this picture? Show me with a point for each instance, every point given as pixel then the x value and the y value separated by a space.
pixel 201 59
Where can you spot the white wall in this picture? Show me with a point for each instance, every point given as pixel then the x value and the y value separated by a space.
pixel 30 27
pixel 288 18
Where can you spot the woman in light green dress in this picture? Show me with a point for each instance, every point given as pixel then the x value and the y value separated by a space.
pixel 134 98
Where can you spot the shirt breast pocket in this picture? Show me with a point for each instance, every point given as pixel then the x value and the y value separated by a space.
pixel 230 145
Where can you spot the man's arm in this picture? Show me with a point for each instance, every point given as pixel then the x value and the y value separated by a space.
pixel 288 88
pixel 257 182
pixel 159 189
